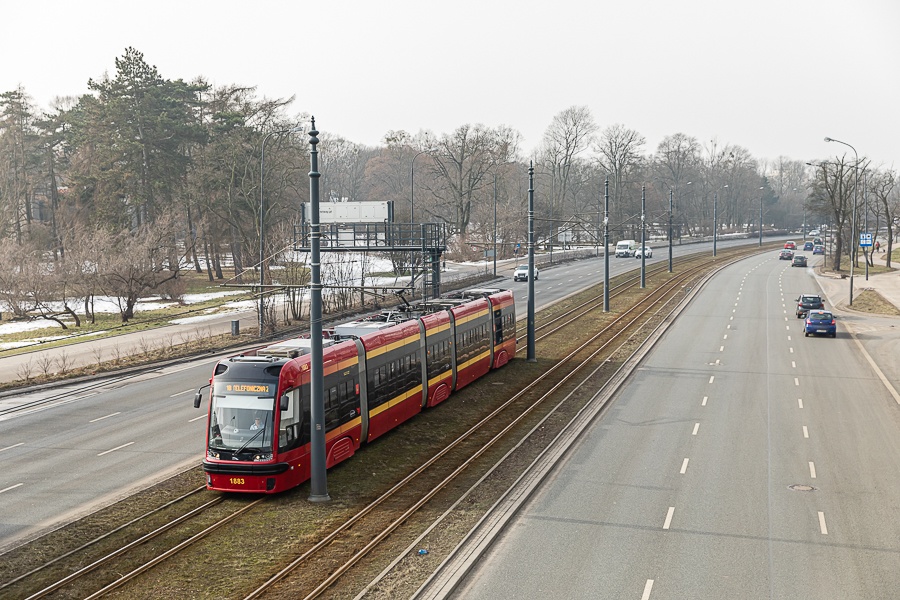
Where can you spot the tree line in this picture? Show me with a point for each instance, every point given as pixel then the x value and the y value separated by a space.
pixel 118 191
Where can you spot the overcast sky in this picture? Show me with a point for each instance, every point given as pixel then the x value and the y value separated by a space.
pixel 773 76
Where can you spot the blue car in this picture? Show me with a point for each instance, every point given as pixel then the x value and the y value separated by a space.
pixel 808 246
pixel 820 322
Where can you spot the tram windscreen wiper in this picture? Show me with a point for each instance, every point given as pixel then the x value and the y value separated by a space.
pixel 247 443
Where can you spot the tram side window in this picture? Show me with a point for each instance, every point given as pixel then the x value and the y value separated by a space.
pixel 293 429
pixel 332 408
pixel 377 386
pixel 348 400
pixel 439 358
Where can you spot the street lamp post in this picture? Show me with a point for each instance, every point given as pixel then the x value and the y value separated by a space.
pixel 495 224
pixel 853 241
pixel 716 218
pixel 606 245
pixel 262 225
pixel 643 239
pixel 866 221
pixel 761 188
pixel 671 206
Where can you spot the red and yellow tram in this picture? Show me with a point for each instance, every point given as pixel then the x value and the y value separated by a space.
pixel 378 372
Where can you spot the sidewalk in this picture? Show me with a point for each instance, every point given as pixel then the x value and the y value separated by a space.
pixel 837 290
pixel 878 336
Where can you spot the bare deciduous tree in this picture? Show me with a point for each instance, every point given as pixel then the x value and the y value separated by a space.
pixel 619 153
pixel 133 264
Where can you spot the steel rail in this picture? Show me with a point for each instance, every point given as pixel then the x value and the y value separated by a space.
pixel 650 299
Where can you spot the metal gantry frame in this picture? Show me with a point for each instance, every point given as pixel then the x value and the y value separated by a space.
pixel 407 238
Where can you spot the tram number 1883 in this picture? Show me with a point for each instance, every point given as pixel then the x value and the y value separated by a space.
pixel 236 481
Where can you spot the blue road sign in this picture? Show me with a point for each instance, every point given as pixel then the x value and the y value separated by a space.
pixel 865 239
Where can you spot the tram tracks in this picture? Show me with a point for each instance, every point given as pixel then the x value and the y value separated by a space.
pixel 320 556
pixel 112 559
pixel 584 356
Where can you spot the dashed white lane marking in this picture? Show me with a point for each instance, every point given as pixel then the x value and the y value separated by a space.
pixel 792 350
pixel 647 587
pixel 800 402
pixel 696 428
pixel 106 417
pixel 13 446
pixel 721 348
pixel 712 378
pixel 197 418
pixel 793 365
pixel 12 487
pixel 684 466
pixel 728 327
pixel 669 517
pixel 796 381
pixel 788 327
pixel 805 432
pixel 822 526
pixel 182 393
pixel 725 337
pixel 705 398
pixel 789 338
pixel 116 448
pixel 812 470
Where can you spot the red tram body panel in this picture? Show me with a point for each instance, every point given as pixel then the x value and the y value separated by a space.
pixel 439 368
pixel 473 339
pixel 384 371
pixel 393 376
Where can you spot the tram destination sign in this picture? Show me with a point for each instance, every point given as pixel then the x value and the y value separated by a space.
pixel 248 388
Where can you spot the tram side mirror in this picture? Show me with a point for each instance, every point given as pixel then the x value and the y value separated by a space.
pixel 285 402
pixel 198 397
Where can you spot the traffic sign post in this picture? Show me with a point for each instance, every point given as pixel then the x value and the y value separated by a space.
pixel 865 241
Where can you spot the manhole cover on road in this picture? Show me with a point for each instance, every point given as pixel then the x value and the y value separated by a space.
pixel 797 487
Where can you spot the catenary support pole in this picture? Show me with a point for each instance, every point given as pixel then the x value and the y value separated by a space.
pixel 531 352
pixel 318 482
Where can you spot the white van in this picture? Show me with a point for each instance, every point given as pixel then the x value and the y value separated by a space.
pixel 625 248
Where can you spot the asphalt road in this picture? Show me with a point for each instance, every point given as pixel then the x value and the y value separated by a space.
pixel 94 445
pixel 684 488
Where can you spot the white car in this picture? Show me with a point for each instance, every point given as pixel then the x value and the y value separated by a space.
pixel 646 250
pixel 521 273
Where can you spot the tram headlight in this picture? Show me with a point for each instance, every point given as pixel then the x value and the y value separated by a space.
pixel 262 457
pixel 212 454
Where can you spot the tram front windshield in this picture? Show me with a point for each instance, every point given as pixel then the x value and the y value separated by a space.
pixel 241 418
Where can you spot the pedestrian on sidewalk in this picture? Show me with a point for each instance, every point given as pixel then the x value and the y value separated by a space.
pixel 877 245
